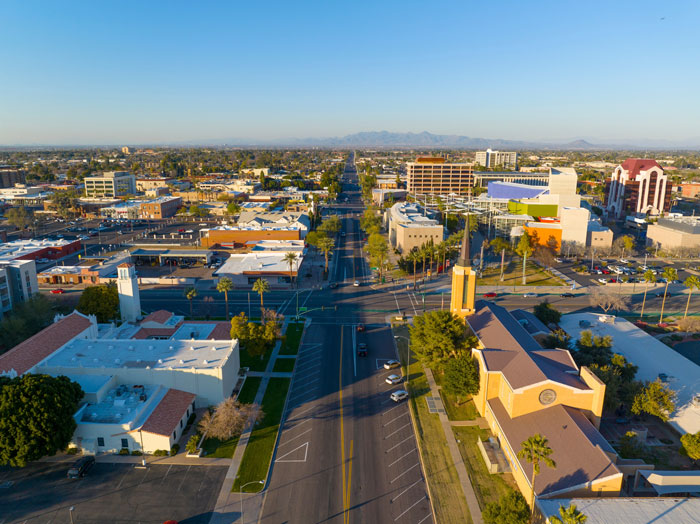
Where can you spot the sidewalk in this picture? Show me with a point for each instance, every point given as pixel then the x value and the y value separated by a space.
pixel 179 460
pixel 472 503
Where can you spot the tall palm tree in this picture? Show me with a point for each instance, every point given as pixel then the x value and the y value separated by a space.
pixel 325 246
pixel 524 249
pixel 290 258
pixel 649 278
pixel 568 515
pixel 485 244
pixel 692 282
pixel 441 252
pixel 190 294
pixel 423 255
pixel 224 285
pixel 670 274
pixel 261 286
pixel 535 450
pixel 414 257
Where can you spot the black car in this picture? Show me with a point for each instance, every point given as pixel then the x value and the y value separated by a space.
pixel 80 467
pixel 362 349
pixel 333 285
pixel 567 295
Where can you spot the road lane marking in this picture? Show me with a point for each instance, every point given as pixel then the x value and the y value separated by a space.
pixel 395 419
pixel 405 490
pixel 402 456
pixel 396 431
pixel 305 445
pixel 308 382
pixel 397 445
pixel 402 474
pixel 293 438
pixel 410 508
pixel 302 412
pixel 354 351
pixel 303 394
pixel 347 497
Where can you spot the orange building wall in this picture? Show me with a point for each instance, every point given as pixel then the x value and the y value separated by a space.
pixel 224 236
pixel 543 235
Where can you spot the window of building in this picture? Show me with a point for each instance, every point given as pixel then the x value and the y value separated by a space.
pixel 175 434
pixel 125 443
pixel 100 441
pixel 181 423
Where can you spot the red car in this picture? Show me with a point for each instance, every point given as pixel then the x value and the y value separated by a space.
pixel 490 295
pixel 605 271
pixel 58 291
pixel 360 327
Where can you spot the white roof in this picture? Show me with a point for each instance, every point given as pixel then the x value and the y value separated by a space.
pixel 670 482
pixel 154 354
pixel 652 357
pixel 258 262
pixel 659 510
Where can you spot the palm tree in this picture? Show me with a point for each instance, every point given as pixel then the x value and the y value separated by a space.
pixel 524 249
pixel 413 256
pixel 692 282
pixel 649 278
pixel 224 285
pixel 669 275
pixel 441 252
pixel 569 515
pixel 290 258
pixel 485 244
pixel 536 449
pixel 499 244
pixel 325 246
pixel 423 255
pixel 190 293
pixel 261 286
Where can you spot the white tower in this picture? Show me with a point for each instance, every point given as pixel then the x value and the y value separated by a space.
pixel 129 300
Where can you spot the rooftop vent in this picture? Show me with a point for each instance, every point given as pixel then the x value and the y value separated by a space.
pixel 150 347
pixel 182 361
pixel 171 348
pixel 160 361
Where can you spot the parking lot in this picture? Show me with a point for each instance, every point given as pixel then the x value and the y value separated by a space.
pixel 120 493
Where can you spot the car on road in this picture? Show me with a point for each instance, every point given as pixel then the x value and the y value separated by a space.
pixel 80 467
pixel 333 285
pixel 605 271
pixel 391 364
pixel 203 224
pixel 58 291
pixel 398 396
pixel 567 295
pixel 356 283
pixel 362 349
pixel 393 379
pixel 624 261
pixel 342 233
pixel 490 295
pixel 181 230
pixel 360 327
pixel 602 281
pixel 529 295
pixel 190 231
pixel 558 260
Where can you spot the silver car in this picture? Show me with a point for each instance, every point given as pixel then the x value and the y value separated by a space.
pixel 392 379
pixel 398 396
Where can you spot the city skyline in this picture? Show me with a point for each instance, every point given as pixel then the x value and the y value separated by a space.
pixel 204 74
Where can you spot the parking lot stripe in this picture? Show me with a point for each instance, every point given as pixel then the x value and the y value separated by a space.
pixel 166 474
pixel 405 490
pixel 402 456
pixel 396 431
pixel 304 411
pixel 303 394
pixel 391 409
pixel 307 383
pixel 184 477
pixel 394 419
pixel 297 436
pixel 427 516
pixel 397 445
pixel 144 476
pixel 402 474
pixel 410 508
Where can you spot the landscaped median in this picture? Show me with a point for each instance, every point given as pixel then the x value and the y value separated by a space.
pixel 443 483
pixel 261 444
pixel 292 338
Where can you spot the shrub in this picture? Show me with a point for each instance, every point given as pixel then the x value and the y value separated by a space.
pixel 191 446
pixel 72 451
pixel 174 449
pixel 124 451
pixel 137 452
pixel 160 453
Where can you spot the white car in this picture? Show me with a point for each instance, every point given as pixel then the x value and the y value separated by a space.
pixel 356 283
pixel 602 281
pixel 529 295
pixel 190 231
pixel 391 364
pixel 398 396
pixel 558 260
pixel 624 261
pixel 204 224
pixel 392 379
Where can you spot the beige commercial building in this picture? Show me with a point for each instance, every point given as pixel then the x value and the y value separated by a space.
pixel 409 228
pixel 599 236
pixel 110 184
pixel 434 176
pixel 672 233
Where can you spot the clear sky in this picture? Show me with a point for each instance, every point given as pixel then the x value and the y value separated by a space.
pixel 104 72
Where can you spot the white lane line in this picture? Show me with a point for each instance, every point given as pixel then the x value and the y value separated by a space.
pixel 402 456
pixel 305 445
pixel 166 474
pixel 309 382
pixel 303 411
pixel 410 508
pixel 396 431
pixel 297 396
pixel 398 307
pixel 402 474
pixel 290 439
pixel 307 368
pixel 395 419
pixel 183 478
pixel 397 445
pixel 354 351
pixel 302 361
pixel 426 517
pixel 299 424
pixel 405 490
pixel 392 409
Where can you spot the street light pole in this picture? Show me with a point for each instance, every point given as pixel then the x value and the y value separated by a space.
pixel 240 493
pixel 70 512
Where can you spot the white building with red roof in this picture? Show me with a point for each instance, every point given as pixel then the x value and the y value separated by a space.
pixel 638 186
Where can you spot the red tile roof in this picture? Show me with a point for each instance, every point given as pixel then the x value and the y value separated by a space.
pixel 168 413
pixel 222 331
pixel 145 333
pixel 635 165
pixel 161 316
pixel 29 353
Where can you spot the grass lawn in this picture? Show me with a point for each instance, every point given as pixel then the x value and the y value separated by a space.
pixel 258 453
pixel 448 498
pixel 215 448
pixel 249 390
pixel 284 364
pixel 255 363
pixel 513 276
pixel 487 487
pixel 292 337
pixel 457 409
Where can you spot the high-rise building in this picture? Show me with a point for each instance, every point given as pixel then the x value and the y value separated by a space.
pixel 110 184
pixel 434 176
pixel 637 187
pixel 490 159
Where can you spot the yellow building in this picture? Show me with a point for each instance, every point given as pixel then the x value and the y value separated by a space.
pixel 525 390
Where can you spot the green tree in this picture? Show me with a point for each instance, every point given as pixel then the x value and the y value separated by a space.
pixel 461 376
pixel 191 294
pixel 224 285
pixel 535 450
pixel 557 339
pixel 378 250
pixel 511 508
pixel 546 313
pixel 692 282
pixel 239 327
pixel 261 286
pixel 670 274
pixel 499 244
pixel 593 349
pixel 524 249
pixel 36 416
pixel 620 385
pixel 656 399
pixel 568 515
pixel 26 319
pixel 326 246
pixel 691 445
pixel 101 301
pixel 64 203
pixel 331 226
pixel 414 257
pixel 314 238
pixel 437 336
pixel 649 278
pixel 232 208
pixel 370 221
pixel 20 217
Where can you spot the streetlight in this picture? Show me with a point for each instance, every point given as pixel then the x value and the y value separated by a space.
pixel 240 493
pixel 70 510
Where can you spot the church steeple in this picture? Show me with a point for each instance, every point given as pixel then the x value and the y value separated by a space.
pixel 464 257
pixel 463 280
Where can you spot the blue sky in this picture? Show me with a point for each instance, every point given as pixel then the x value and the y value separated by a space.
pixel 153 72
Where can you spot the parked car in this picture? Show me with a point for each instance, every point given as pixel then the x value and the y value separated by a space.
pixel 356 283
pixel 624 261
pixel 602 281
pixel 181 230
pixel 80 467
pixel 605 271
pixel 58 291
pixel 362 349
pixel 333 285
pixel 567 295
pixel 529 295
pixel 398 396
pixel 559 260
pixel 393 379
pixel 490 295
pixel 391 364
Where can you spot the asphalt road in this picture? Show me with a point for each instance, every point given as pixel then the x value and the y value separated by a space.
pixel 346 453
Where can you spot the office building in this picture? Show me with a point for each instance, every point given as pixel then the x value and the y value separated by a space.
pixel 435 176
pixel 10 175
pixel 673 233
pixel 410 226
pixel 638 186
pixel 110 184
pixel 145 184
pixel 492 159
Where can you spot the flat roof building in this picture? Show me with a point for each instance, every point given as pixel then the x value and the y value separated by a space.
pixel 675 233
pixel 110 184
pixel 435 176
pixel 492 159
pixel 411 226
